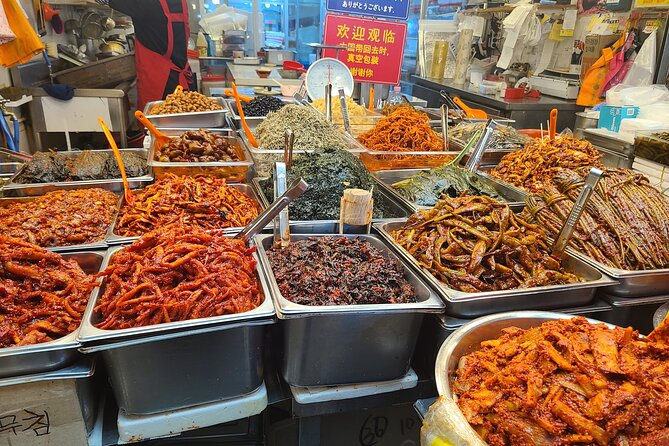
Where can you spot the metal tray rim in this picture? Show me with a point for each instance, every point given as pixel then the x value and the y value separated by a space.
pixel 455 296
pixel 89 334
pixel 287 309
pixel 617 273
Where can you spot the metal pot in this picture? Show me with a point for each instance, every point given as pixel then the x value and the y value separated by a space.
pixel 587 120
pixel 112 46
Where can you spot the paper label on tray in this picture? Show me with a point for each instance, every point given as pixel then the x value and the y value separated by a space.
pixel 41 413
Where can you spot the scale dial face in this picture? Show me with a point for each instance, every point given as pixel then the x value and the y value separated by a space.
pixel 328 70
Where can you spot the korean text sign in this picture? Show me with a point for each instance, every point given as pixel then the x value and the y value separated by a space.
pixel 374 47
pixel 389 9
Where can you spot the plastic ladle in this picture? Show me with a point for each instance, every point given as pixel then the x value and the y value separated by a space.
pixel 470 112
pixel 240 110
pixel 126 187
pixel 160 139
pixel 242 98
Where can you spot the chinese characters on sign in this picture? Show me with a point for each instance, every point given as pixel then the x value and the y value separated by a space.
pixel 25 421
pixel 389 9
pixel 374 47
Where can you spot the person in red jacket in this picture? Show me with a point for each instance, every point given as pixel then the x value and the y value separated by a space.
pixel 161 44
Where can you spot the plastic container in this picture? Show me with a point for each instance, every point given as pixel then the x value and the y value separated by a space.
pixel 395 96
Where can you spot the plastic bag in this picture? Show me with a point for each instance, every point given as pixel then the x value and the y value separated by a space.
pixel 643 69
pixel 444 425
pixel 625 94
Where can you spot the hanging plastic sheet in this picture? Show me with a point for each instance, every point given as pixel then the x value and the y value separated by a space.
pixel 26 45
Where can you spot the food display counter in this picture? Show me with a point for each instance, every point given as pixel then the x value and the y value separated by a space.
pixel 199 331
pixel 528 113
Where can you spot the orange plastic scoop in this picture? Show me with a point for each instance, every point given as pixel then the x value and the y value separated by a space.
pixel 159 137
pixel 126 187
pixel 247 130
pixel 230 93
pixel 552 126
pixel 470 112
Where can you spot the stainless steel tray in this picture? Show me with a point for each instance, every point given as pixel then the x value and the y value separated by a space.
pixel 613 144
pixel 510 190
pixel 233 170
pixel 205 119
pixel 115 239
pixel 392 202
pixel 470 305
pixel 8 170
pixel 468 338
pixel 389 177
pixel 102 244
pixel 643 283
pixel 48 356
pixel 428 302
pixel 90 335
pixel 348 344
pixel 251 121
pixel 13 189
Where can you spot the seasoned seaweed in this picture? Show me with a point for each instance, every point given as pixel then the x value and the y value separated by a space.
pixel 49 167
pixel 328 172
pixel 45 167
pixel 426 188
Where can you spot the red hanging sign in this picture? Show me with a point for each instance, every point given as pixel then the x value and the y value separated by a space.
pixel 375 47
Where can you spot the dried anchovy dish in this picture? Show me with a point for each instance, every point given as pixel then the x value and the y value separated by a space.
pixel 61 217
pixel 197 146
pixel 338 271
pixel 504 137
pixel 475 244
pixel 48 167
pixel 185 102
pixel 566 382
pixel 311 130
pixel 428 187
pixel 175 274
pixel 202 201
pixel 42 295
pixel 534 166
pixel 625 224
pixel 261 106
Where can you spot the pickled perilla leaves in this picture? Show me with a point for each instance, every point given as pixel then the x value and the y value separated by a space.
pixel 426 188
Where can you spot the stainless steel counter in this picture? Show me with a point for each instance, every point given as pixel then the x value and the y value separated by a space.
pixel 527 112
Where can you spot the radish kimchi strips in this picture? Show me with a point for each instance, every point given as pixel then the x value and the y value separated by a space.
pixel 42 295
pixel 175 274
pixel 567 382
pixel 206 202
pixel 61 218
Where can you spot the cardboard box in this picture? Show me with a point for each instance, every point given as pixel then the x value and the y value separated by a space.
pixel 611 117
pixel 592 50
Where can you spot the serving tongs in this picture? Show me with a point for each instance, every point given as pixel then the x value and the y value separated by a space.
pixel 16 156
pixel 344 111
pixel 475 158
pixel 129 198
pixel 574 216
pixel 444 126
pixel 160 138
pixel 256 226
pixel 328 102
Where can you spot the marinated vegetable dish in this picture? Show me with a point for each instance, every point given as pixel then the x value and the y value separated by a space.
pixel 197 146
pixel 185 102
pixel 207 202
pixel 338 271
pixel 566 382
pixel 405 130
pixel 261 106
pixel 42 295
pixel 654 147
pixel 328 172
pixel 534 166
pixel 61 218
pixel 504 137
pixel 625 224
pixel 50 167
pixel 310 128
pixel 175 274
pixel 428 187
pixel 476 244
